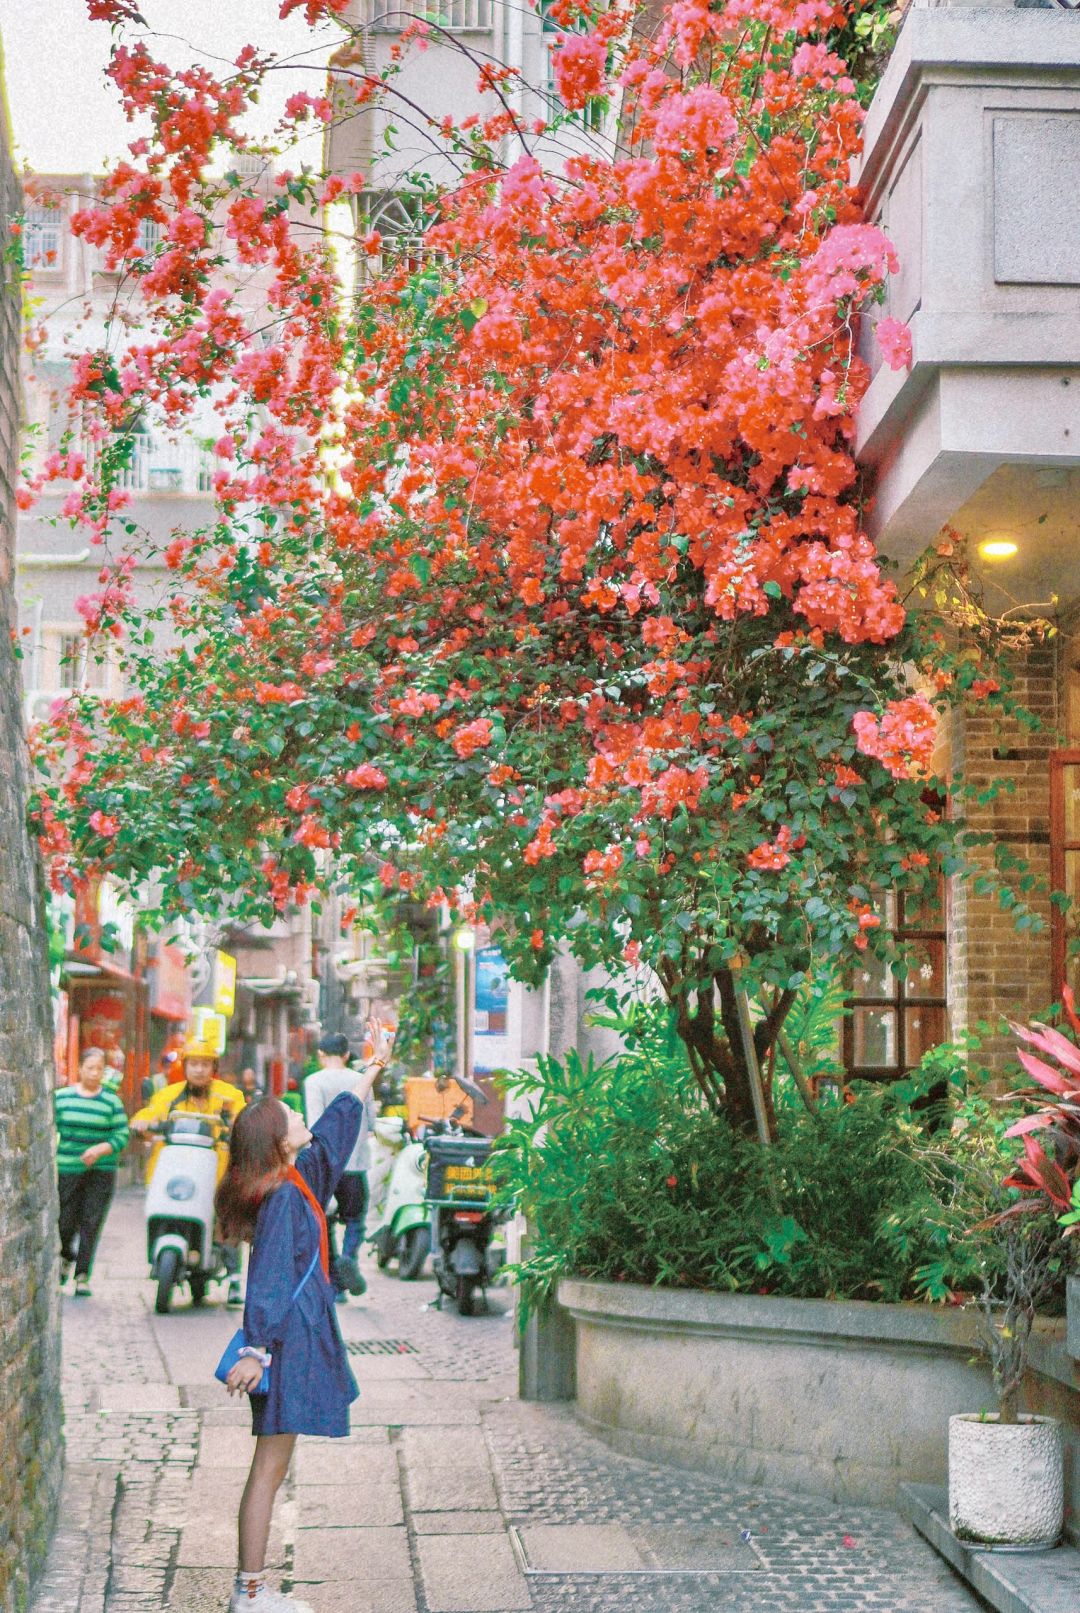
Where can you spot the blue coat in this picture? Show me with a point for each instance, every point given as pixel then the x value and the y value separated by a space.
pixel 311 1386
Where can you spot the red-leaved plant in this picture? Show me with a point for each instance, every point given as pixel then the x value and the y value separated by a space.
pixel 1040 1175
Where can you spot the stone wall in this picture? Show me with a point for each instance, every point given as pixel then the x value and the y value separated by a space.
pixel 846 1399
pixel 993 968
pixel 30 1420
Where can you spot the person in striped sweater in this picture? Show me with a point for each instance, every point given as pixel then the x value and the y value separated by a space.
pixel 92 1131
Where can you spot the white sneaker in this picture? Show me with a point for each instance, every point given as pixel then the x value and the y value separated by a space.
pixel 264 1600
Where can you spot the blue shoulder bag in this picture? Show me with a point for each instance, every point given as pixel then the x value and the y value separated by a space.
pixel 239 1340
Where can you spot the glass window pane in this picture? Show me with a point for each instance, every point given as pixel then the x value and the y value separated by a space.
pixel 1070 783
pixel 874 1038
pixel 1070 920
pixel 927 913
pixel 924 1027
pixel 873 978
pixel 926 969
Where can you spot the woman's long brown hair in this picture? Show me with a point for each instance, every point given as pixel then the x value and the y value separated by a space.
pixel 257 1165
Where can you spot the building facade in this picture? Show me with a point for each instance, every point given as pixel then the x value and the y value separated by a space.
pixel 125 984
pixel 972 164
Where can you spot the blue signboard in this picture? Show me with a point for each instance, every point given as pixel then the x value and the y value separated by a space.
pixel 492 993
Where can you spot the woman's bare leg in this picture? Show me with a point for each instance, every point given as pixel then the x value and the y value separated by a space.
pixel 269 1466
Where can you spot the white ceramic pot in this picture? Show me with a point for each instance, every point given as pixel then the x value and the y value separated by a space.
pixel 1006 1481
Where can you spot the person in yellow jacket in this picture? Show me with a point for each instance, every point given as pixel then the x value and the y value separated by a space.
pixel 201 1092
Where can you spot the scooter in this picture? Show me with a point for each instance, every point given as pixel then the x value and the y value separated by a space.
pixel 180 1209
pixel 401 1227
pixel 388 1138
pixel 464 1220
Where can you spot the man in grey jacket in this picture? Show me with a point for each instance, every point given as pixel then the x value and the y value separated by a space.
pixel 320 1089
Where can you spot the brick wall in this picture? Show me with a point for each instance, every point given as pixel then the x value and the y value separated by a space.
pixel 30 1439
pixel 993 968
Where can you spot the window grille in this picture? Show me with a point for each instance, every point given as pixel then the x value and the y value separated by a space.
pixel 77 668
pixel 149 236
pixel 892 1022
pixel 456 16
pixel 43 236
pixel 398 217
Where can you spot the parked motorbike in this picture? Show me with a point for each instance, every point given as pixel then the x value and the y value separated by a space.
pixel 180 1209
pixel 464 1220
pixel 401 1225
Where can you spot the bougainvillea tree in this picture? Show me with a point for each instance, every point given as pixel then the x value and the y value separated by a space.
pixel 539 576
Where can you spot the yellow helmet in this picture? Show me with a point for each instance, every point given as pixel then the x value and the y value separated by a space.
pixel 198 1047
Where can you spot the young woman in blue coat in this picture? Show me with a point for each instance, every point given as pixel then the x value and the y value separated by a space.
pixel 279 1180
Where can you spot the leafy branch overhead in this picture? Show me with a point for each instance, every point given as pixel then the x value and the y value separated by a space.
pixel 538 578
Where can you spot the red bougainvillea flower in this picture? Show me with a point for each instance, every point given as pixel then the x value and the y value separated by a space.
pixel 541 565
pixel 578 63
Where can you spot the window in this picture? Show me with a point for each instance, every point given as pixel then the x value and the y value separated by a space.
pixel 43 238
pixel 1065 868
pixel 456 16
pixel 148 237
pixel 398 217
pixel 892 1022
pixel 74 667
pixel 591 116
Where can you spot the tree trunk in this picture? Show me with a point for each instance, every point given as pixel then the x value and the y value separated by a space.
pixel 707 1021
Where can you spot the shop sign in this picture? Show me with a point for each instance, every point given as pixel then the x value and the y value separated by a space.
pixel 170 983
pixel 224 983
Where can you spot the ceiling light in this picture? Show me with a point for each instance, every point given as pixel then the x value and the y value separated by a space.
pixel 998 549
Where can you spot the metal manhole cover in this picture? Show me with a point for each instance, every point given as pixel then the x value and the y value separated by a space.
pixel 381 1347
pixel 593 1550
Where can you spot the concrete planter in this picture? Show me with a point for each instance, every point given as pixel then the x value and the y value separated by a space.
pixel 1006 1482
pixel 1072 1313
pixel 846 1399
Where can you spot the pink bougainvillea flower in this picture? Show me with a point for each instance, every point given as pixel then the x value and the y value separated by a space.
pixel 894 339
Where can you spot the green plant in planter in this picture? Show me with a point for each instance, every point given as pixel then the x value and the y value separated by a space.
pixel 625 1175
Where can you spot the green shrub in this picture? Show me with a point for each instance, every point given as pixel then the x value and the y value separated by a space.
pixel 625 1175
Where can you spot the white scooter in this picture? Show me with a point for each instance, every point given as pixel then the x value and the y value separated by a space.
pixel 180 1209
pixel 401 1224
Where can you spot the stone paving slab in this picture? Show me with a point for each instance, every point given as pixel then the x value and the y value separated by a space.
pixel 337 1506
pixel 351 1555
pixel 460 1578
pixel 374 1596
pixel 352 1461
pixel 580 1548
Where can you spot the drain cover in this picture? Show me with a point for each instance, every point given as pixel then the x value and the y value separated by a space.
pixel 382 1347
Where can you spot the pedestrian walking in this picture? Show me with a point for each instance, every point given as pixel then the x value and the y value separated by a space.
pixel 279 1180
pixel 92 1132
pixel 320 1089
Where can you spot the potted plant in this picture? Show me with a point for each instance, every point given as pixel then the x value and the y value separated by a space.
pixel 1006 1468
pixel 1006 1488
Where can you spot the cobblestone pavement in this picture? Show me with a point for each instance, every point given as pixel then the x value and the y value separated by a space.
pixel 450 1495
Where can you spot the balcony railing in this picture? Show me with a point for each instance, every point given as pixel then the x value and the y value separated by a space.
pixel 164 467
pixel 456 16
